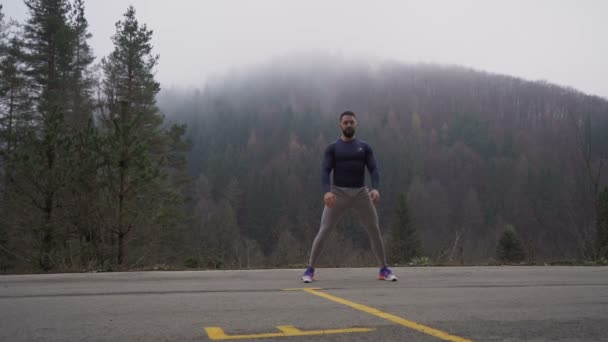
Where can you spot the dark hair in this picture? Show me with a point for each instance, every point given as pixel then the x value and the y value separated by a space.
pixel 348 112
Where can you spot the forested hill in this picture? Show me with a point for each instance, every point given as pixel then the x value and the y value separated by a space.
pixel 101 170
pixel 474 152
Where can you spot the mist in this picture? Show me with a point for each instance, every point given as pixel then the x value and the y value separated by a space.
pixel 556 41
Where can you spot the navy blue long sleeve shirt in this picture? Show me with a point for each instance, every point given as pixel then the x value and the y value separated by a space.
pixel 348 160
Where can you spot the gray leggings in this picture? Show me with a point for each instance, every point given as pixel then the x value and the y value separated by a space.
pixel 359 200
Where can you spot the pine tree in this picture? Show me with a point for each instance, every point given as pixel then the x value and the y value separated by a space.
pixel 403 244
pixel 137 151
pixel 220 236
pixel 48 40
pixel 15 101
pixel 83 191
pixel 602 225
pixel 81 79
pixel 41 165
pixel 510 249
pixel 47 80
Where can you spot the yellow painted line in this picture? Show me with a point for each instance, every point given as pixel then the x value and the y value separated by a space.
pixel 302 288
pixel 292 331
pixel 390 317
pixel 216 333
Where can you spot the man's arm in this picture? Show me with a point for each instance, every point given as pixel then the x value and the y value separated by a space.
pixel 326 167
pixel 372 167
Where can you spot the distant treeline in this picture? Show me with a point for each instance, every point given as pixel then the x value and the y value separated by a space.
pixel 94 177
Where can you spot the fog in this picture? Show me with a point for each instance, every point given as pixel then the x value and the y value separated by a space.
pixel 562 42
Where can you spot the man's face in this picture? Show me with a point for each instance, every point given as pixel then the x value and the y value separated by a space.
pixel 348 124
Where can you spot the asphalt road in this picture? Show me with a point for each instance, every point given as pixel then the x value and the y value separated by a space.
pixel 427 304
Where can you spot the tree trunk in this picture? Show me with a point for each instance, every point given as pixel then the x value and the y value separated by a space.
pixel 121 247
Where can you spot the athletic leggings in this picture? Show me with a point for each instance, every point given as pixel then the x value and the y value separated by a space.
pixel 359 200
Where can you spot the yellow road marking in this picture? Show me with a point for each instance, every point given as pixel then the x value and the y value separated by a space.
pixel 390 317
pixel 216 333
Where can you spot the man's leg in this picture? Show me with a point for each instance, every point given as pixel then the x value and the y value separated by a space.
pixel 329 219
pixel 366 211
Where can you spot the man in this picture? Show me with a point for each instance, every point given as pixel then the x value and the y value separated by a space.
pixel 348 157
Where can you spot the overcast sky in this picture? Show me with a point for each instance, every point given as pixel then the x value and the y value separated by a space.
pixel 563 42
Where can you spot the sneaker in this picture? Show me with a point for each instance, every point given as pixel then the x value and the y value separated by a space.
pixel 386 274
pixel 309 275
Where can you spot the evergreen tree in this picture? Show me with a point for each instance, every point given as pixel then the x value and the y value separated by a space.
pixel 220 236
pixel 403 243
pixel 15 101
pixel 41 166
pixel 83 191
pixel 510 248
pixel 49 43
pixel 137 150
pixel 602 225
pixel 49 99
pixel 81 78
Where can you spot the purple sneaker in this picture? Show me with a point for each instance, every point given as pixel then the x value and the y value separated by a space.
pixel 386 274
pixel 309 275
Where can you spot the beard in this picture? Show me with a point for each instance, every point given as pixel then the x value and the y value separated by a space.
pixel 348 132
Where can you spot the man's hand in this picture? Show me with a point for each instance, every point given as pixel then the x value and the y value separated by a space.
pixel 330 199
pixel 375 195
